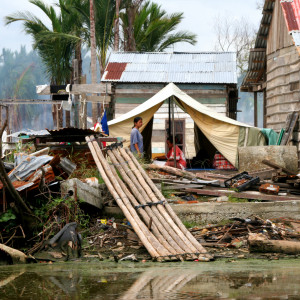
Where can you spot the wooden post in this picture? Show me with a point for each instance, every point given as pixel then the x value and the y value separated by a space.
pixel 0 115
pixel 255 109
pixel 265 109
pixel 83 107
pixel 76 97
pixel 173 133
pixel 8 123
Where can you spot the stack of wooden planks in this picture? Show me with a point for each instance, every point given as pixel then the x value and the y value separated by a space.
pixel 150 215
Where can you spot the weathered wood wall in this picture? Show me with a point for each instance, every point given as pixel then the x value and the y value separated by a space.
pixel 282 75
pixel 128 96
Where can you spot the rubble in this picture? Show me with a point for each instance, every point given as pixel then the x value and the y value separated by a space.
pixel 58 186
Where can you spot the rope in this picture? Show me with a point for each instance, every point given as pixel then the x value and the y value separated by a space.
pixel 149 204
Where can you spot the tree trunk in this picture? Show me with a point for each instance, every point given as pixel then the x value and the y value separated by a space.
pixel 93 56
pixel 131 40
pixel 116 26
pixel 274 246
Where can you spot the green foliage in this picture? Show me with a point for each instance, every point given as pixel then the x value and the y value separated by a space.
pixel 190 224
pixel 166 192
pixel 7 216
pixel 154 30
pixel 67 209
pixel 236 200
pixel 55 44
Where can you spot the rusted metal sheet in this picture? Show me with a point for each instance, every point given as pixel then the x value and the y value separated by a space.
pixel 291 10
pixel 114 71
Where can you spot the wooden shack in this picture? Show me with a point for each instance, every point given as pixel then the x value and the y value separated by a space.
pixel 274 64
pixel 210 78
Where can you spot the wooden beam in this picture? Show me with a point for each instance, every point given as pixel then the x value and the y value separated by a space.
pixel 27 101
pixel 98 99
pixel 98 88
pixel 255 109
pixel 154 91
pixel 258 50
pixel 254 195
pixel 263 37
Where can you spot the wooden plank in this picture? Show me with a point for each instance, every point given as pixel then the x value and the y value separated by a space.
pixel 183 187
pixel 277 167
pixel 27 101
pixel 98 99
pixel 98 88
pixel 253 195
pixel 154 91
pixel 291 121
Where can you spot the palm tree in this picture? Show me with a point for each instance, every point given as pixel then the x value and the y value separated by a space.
pixel 55 44
pixel 154 29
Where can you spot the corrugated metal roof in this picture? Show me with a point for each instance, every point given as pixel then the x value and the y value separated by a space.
pixel 291 11
pixel 161 67
pixel 28 166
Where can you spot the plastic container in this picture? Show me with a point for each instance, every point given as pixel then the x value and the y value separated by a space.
pixel 241 181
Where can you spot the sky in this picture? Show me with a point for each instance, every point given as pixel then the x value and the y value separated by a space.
pixel 199 18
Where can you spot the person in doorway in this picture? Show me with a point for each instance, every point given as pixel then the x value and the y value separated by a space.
pixel 136 139
pixel 180 158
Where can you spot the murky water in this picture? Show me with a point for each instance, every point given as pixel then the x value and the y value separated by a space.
pixel 254 279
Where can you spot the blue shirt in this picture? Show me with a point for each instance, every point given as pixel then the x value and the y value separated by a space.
pixel 136 138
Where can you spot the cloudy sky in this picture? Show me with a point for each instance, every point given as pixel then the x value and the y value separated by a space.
pixel 199 19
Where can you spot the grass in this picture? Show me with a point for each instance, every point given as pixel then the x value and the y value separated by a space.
pixel 166 192
pixel 191 224
pixel 236 200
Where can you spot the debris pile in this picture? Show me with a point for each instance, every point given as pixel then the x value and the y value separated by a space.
pixel 270 184
pixel 252 232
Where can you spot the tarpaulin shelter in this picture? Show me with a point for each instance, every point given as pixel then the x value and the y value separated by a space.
pixel 225 134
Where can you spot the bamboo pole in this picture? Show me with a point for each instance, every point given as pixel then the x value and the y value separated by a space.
pixel 142 212
pixel 173 171
pixel 181 247
pixel 124 170
pixel 161 208
pixel 200 248
pixel 130 214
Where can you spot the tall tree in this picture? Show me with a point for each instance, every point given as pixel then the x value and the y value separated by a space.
pixel 117 27
pixel 54 44
pixel 154 29
pixel 93 56
pixel 235 35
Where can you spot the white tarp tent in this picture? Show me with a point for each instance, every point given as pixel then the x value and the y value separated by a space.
pixel 224 133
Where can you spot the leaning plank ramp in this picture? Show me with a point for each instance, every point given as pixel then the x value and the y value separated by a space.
pixel 144 206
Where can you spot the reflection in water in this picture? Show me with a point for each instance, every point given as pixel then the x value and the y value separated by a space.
pixel 218 280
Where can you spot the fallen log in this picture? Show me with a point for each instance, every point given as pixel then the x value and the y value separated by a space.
pixel 171 170
pixel 16 256
pixel 274 246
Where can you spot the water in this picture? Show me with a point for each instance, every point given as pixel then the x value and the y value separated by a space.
pixel 245 279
